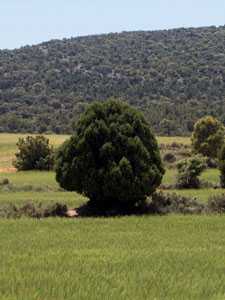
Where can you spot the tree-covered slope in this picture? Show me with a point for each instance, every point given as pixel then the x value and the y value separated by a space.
pixel 174 76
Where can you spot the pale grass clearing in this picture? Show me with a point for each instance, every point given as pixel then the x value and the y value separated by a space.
pixel 8 145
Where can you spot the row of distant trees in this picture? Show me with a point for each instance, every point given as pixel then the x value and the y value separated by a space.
pixel 174 76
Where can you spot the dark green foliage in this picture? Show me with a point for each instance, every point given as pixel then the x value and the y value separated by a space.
pixel 112 157
pixel 34 153
pixel 173 76
pixel 208 137
pixel 222 166
pixel 189 171
pixel 162 203
pixel 4 181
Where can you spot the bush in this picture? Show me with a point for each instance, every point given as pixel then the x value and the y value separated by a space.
pixel 112 157
pixel 211 163
pixel 34 153
pixel 32 210
pixel 4 181
pixel 176 145
pixel 169 157
pixel 216 204
pixel 208 137
pixel 162 203
pixel 189 171
pixel 222 166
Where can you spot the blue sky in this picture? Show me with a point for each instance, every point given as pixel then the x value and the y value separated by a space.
pixel 26 22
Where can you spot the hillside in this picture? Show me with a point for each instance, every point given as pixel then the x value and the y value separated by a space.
pixel 173 76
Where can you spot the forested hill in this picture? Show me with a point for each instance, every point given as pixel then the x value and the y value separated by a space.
pixel 173 76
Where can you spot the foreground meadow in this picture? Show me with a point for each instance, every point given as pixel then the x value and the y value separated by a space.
pixel 170 257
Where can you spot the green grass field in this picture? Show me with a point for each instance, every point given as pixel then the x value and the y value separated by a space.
pixel 211 175
pixel 170 257
pixel 42 187
pixel 169 140
pixel 203 194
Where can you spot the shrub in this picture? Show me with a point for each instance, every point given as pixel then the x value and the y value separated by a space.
pixel 169 157
pixel 222 166
pixel 32 210
pixel 4 181
pixel 211 163
pixel 189 171
pixel 216 204
pixel 34 153
pixel 112 157
pixel 162 203
pixel 176 145
pixel 208 137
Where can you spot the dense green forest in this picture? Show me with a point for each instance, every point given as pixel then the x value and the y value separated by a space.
pixel 173 76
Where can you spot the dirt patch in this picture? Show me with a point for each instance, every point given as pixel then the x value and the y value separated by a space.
pixel 8 170
pixel 72 213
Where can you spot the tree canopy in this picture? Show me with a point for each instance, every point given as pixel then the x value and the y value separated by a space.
pixel 112 158
pixel 208 137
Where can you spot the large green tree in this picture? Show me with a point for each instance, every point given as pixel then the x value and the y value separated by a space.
pixel 208 136
pixel 112 157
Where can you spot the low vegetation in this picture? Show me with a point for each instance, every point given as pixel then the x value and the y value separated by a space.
pixel 33 210
pixel 34 153
pixel 216 204
pixel 189 171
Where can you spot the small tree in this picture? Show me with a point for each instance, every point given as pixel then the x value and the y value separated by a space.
pixel 189 171
pixel 34 153
pixel 208 137
pixel 112 157
pixel 222 166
